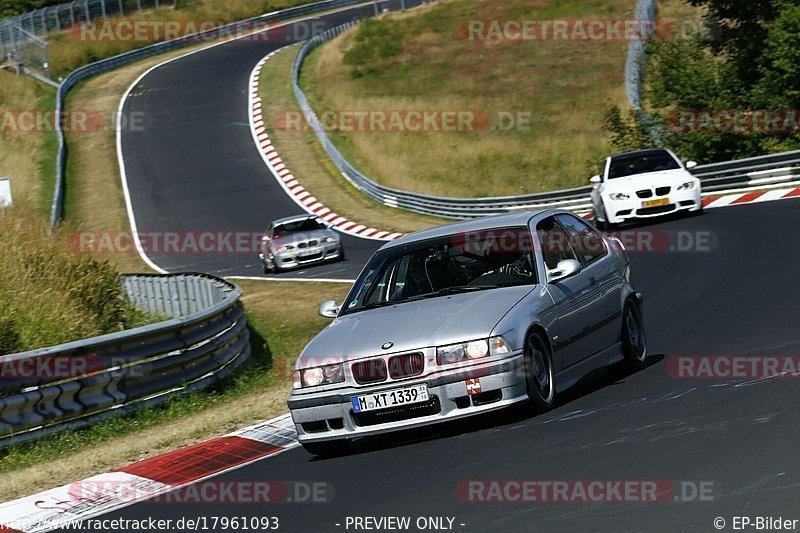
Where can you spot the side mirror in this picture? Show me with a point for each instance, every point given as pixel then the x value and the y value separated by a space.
pixel 329 309
pixel 691 164
pixel 564 269
pixel 595 179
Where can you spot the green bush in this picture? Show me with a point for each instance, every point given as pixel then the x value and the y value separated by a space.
pixel 751 61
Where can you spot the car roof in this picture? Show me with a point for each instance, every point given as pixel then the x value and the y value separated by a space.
pixel 292 219
pixel 476 224
pixel 646 151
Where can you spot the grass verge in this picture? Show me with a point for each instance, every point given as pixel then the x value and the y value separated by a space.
pixel 27 147
pixel 50 295
pixel 91 42
pixel 418 61
pixel 304 156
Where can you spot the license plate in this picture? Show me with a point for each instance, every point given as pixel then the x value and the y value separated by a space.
pixel 655 203
pixel 389 398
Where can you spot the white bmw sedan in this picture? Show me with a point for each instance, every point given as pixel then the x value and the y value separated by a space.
pixel 643 184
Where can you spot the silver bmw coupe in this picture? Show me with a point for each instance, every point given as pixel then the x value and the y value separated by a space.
pixel 298 241
pixel 467 318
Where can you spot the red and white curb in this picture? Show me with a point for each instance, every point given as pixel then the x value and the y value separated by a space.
pixel 743 197
pixel 286 179
pixel 755 197
pixel 153 477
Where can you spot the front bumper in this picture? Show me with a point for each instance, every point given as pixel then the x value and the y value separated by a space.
pixel 309 256
pixel 633 208
pixel 329 415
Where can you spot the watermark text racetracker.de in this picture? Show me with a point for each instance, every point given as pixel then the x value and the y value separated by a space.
pixel 166 242
pixel 422 121
pixel 739 121
pixel 71 121
pixel 199 30
pixel 583 491
pixel 733 366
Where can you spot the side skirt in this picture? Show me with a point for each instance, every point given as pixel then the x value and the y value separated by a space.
pixel 570 375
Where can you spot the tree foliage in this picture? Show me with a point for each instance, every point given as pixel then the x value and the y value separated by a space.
pixel 746 64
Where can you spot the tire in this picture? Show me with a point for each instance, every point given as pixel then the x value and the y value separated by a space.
pixel 329 448
pixel 341 254
pixel 634 338
pixel 270 267
pixel 538 367
pixel 604 225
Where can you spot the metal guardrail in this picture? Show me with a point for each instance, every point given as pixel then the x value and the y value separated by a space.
pixel 757 172
pixel 203 341
pixel 636 60
pixel 98 67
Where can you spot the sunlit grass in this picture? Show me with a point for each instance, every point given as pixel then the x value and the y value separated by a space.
pixel 561 88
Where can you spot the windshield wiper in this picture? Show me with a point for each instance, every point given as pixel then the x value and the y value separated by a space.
pixel 449 290
pixel 373 305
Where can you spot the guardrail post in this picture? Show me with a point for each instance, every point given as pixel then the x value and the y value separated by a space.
pixel 376 7
pixel 103 8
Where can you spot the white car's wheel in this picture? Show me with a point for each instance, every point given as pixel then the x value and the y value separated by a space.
pixel 600 213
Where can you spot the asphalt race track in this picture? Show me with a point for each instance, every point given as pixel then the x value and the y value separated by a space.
pixel 193 165
pixel 195 168
pixel 737 299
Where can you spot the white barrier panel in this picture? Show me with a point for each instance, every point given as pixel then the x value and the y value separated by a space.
pixel 5 192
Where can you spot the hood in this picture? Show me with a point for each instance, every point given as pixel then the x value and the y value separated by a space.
pixel 661 178
pixel 413 325
pixel 303 236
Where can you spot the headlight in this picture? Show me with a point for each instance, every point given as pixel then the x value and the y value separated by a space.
pixel 329 239
pixel 465 351
pixel 619 196
pixel 686 186
pixel 319 375
pixel 285 248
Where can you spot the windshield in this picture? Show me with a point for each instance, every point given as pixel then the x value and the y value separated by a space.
pixel 446 265
pixel 295 226
pixel 641 163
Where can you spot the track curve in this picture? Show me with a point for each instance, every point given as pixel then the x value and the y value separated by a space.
pixel 735 299
pixel 193 166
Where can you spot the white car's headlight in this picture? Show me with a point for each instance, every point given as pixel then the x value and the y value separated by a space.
pixel 284 248
pixel 329 239
pixel 686 186
pixel 619 196
pixel 318 375
pixel 465 351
